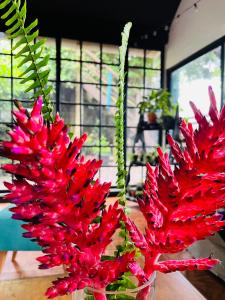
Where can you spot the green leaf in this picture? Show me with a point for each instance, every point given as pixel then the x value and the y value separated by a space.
pixel 23 11
pixel 37 45
pixel 12 29
pixel 11 20
pixel 33 86
pixel 11 9
pixel 31 26
pixel 4 4
pixel 33 76
pixel 48 90
pixel 44 62
pixel 37 93
pixel 29 58
pixel 22 51
pixel 16 34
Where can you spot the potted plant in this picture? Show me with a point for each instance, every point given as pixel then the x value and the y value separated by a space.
pixel 159 101
pixel 151 157
pixel 148 106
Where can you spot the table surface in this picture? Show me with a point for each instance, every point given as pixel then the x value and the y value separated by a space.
pixel 173 286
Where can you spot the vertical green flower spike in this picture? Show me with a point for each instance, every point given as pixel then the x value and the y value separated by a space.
pixel 27 45
pixel 119 118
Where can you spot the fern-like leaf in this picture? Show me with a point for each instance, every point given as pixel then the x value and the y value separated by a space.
pixel 36 71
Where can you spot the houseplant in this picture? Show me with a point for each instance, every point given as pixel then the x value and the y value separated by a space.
pixel 159 101
pixel 63 208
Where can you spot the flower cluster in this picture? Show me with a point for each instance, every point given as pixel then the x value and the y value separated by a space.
pixel 57 198
pixel 180 205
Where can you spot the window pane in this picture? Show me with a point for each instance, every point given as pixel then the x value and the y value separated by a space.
pixel 191 82
pixel 3 175
pixel 90 52
pixel 52 67
pixel 136 77
pixel 108 134
pixel 107 115
pixel 19 90
pixel 50 48
pixel 70 113
pixel 5 65
pixel 90 115
pixel 108 174
pixel 90 152
pixel 70 49
pixel 110 54
pixel 109 74
pixel 17 71
pixel 90 94
pixel 5 112
pixel 93 135
pixel 136 57
pixel 5 88
pixel 152 79
pixel 90 73
pixel 134 96
pixel 153 59
pixel 137 175
pixel 5 45
pixel 69 92
pixel 108 154
pixel 109 95
pixel 131 133
pixel 70 70
pixel 132 116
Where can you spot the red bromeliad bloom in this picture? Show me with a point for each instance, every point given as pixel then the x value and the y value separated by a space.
pixel 180 205
pixel 56 196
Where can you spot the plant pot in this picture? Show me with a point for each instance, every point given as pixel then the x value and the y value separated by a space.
pixel 143 292
pixel 152 117
pixel 168 122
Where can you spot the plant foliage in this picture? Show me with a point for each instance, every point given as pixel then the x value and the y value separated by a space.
pixel 119 117
pixel 30 48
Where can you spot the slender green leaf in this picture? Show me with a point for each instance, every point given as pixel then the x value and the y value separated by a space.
pixel 11 20
pixel 31 26
pixel 4 4
pixel 29 58
pixel 16 34
pixel 44 62
pixel 33 86
pixel 15 27
pixel 23 11
pixel 32 76
pixel 22 51
pixel 11 9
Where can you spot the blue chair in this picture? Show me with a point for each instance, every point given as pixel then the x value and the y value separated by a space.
pixel 11 238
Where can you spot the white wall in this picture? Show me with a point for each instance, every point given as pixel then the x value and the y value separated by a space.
pixel 195 30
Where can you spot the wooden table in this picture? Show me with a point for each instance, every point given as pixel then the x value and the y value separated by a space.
pixel 174 286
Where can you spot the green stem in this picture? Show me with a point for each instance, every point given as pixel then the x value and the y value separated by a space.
pixel 119 119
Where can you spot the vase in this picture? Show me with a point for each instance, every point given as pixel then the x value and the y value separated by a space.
pixel 143 292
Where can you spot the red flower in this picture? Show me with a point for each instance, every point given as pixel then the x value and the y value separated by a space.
pixel 56 196
pixel 180 205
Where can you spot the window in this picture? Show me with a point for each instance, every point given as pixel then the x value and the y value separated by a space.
pixel 84 76
pixel 144 75
pixel 191 81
